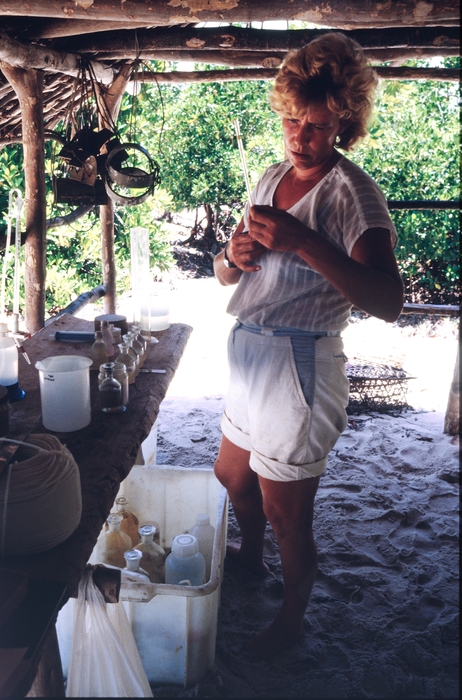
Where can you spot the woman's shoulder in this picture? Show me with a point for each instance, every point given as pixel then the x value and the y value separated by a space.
pixel 353 175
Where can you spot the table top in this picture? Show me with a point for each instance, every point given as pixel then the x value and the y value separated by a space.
pixel 105 450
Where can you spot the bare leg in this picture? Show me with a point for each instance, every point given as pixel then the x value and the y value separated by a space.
pixel 289 509
pixel 233 471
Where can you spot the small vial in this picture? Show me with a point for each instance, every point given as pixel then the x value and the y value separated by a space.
pixel 98 351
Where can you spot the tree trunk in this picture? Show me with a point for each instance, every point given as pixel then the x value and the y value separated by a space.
pixel 28 86
pixel 209 231
pixel 452 417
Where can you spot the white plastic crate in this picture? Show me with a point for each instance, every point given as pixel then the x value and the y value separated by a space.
pixel 174 626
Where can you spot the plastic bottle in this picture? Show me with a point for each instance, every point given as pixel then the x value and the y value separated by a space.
pixel 132 563
pixel 115 543
pixel 98 351
pixel 108 339
pixel 185 563
pixel 204 532
pixel 153 556
pixel 110 391
pixel 9 365
pixel 126 359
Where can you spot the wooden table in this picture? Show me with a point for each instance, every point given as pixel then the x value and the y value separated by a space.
pixel 105 452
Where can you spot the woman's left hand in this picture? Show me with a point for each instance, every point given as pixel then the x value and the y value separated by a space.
pixel 276 229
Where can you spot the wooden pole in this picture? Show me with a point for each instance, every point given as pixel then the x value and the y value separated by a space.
pixel 28 87
pixel 109 101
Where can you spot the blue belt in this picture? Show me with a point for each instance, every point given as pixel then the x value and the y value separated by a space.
pixel 283 331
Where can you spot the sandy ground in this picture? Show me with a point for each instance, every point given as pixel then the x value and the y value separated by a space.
pixel 383 616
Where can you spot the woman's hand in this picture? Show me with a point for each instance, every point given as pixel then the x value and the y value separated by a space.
pixel 277 230
pixel 244 251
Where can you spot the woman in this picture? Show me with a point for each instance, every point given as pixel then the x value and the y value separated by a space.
pixel 317 239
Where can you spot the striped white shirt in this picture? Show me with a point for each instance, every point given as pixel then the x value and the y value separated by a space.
pixel 287 292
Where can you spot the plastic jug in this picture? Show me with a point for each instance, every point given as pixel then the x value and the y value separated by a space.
pixel 185 564
pixel 65 392
pixel 205 535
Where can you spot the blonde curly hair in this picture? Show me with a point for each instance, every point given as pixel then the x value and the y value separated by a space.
pixel 331 69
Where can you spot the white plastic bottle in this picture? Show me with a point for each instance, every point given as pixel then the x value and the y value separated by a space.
pixel 205 535
pixel 185 564
pixel 8 363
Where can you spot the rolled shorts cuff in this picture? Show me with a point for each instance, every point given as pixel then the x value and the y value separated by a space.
pixel 266 467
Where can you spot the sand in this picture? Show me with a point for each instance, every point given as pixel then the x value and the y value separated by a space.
pixel 383 616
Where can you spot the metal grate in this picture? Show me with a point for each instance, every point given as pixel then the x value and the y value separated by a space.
pixel 376 387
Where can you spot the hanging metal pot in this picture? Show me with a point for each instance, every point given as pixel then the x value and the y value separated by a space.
pixel 130 177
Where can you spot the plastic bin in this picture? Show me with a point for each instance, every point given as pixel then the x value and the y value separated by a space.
pixel 174 626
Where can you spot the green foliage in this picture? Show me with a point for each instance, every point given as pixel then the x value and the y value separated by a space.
pixel 413 153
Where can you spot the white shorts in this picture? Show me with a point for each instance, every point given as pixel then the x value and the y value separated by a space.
pixel 286 409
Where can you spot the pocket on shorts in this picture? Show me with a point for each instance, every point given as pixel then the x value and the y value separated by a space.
pixel 304 365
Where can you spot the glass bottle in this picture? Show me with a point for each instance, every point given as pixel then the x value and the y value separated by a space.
pixel 110 391
pixel 98 351
pixel 108 339
pixel 115 542
pixel 136 328
pixel 116 334
pixel 127 338
pixel 130 522
pixel 156 527
pixel 137 347
pixel 185 562
pixel 121 375
pixel 126 359
pixel 132 563
pixel 205 534
pixel 153 556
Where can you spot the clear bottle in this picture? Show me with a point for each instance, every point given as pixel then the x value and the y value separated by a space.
pixel 110 391
pixel 185 563
pixel 108 339
pixel 137 347
pixel 130 522
pixel 132 563
pixel 153 556
pixel 126 359
pixel 156 527
pixel 121 375
pixel 204 532
pixel 127 338
pixel 136 328
pixel 98 351
pixel 115 542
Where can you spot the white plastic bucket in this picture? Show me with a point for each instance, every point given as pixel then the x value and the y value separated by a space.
pixel 65 392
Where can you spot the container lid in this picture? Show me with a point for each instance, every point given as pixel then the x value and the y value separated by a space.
pixel 146 530
pixel 3 394
pixel 202 519
pixel 185 545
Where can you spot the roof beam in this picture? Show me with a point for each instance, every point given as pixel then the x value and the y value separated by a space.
pixel 333 13
pixel 243 39
pixel 20 55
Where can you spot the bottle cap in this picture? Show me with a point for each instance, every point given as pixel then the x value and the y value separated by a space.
pixel 185 545
pixel 146 530
pixel 202 519
pixel 114 519
pixel 121 501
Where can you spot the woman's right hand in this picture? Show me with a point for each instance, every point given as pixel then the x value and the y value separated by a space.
pixel 244 251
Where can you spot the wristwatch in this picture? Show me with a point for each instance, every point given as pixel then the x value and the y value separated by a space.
pixel 226 260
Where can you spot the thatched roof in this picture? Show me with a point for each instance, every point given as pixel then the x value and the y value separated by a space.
pixel 105 35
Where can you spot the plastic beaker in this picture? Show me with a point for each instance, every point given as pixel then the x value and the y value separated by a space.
pixel 65 392
pixel 159 306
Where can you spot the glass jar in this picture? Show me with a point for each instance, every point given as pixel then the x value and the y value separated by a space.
pixel 128 340
pixel 108 339
pixel 130 522
pixel 121 375
pixel 137 347
pixel 132 563
pixel 110 391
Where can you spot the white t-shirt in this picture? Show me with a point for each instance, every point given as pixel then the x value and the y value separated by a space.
pixel 287 292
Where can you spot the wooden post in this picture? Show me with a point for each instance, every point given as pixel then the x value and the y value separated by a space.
pixel 452 417
pixel 109 100
pixel 28 85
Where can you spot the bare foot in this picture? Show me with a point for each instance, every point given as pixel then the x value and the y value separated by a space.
pixel 277 637
pixel 234 554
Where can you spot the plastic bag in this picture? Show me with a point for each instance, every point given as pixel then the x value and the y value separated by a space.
pixel 104 660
